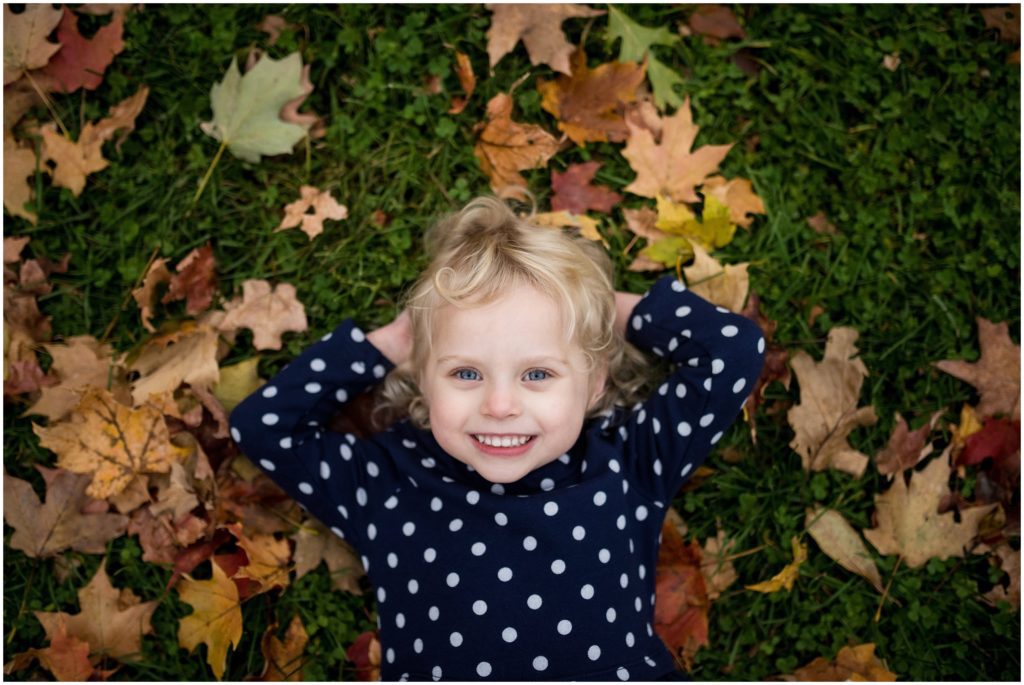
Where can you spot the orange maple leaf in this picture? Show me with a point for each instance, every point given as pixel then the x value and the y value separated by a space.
pixel 507 147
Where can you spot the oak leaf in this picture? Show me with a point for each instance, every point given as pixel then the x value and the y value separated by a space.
pixel 111 442
pixel 725 286
pixel 145 294
pixel 112 621
pixel 188 355
pixel 267 312
pixel 67 520
pixel 996 374
pixel 828 411
pixel 837 538
pixel 636 44
pixel 668 166
pixel 738 195
pixel 506 147
pixel 25 44
pixel 323 206
pixel 467 79
pixel 80 63
pixel 909 523
pixel 681 607
pixel 590 104
pixel 905 448
pixel 216 620
pixel 784 579
pixel 540 29
pixel 269 559
pixel 284 658
pixel 315 543
pixel 19 167
pixel 851 663
pixel 575 193
pixel 82 362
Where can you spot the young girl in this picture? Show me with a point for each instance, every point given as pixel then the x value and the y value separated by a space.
pixel 511 523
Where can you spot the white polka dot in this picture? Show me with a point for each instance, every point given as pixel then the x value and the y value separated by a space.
pixel 504 574
pixel 630 640
pixel 417 645
pixel 455 525
pixel 479 607
pixel 717 436
pixel 429 554
pixel 680 391
pixel 478 549
pixel 663 389
pixel 716 366
pixel 558 567
pixel 547 485
pixel 673 344
pixel 338 532
pixel 642 571
pixel 381 594
pixel 267 465
pixel 686 469
pixel 408 528
pixel 390 655
pixel 641 416
pixel 371 531
pixel 235 435
pixel 341 395
pixel 683 311
pixel 637 322
pixel 428 462
pixel 408 444
pixel 500 519
pixel 622 673
pixel 392 559
pixel 760 345
pixel 391 502
pixel 509 635
pixel 378 371
pixel 564 627
pixel 318 365
pixel 534 601
pixel 624 581
pixel 400 620
pixel 286 443
pixel 587 591
pixel 343 511
pixel 269 391
pixel 622 433
pixel 498 489
pixel 613 464
pixel 638 605
pixel 706 420
pixel 707 384
pixel 579 532
pixel 306 488
pixel 434 613
pixel 604 555
pixel 625 487
pixel 414 586
pixel 472 496
pixel 483 669
pixel 529 543
pixel 657 467
pixel 594 652
pixel 684 428
pixel 550 508
pixel 270 419
pixel 452 579
pixel 730 331
pixel 565 459
pixel 346 451
pixel 435 504
pixel 540 663
pixel 455 638
pixel 641 513
pixel 620 523
pixel 687 333
pixel 359 367
pixel 600 498
pixel 312 388
pixel 372 469
pixel 361 497
pixel 693 361
pixel 610 615
pixel 358 335
pixel 436 673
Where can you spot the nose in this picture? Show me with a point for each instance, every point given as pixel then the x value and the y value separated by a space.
pixel 500 401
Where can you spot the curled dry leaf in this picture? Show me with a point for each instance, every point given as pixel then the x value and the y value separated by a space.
pixel 586 226
pixel 323 206
pixel 506 147
pixel 267 311
pixel 195 281
pixel 540 29
pixel 837 538
pixel 725 286
pixel 738 195
pixel 905 447
pixel 467 79
pixel 284 659
pixel 784 579
pixel 315 543
pixel 145 294
pixel 575 192
pixel 80 62
pixel 216 619
pixel 25 44
pixel 996 375
pixel 851 663
pixel 681 607
pixel 81 363
pixel 188 355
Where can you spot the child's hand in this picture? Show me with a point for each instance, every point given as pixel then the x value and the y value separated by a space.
pixel 624 303
pixel 394 340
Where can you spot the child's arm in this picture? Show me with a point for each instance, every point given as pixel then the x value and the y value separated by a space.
pixel 718 356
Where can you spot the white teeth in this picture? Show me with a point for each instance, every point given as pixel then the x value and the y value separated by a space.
pixel 503 441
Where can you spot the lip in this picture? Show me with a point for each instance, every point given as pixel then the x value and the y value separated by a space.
pixel 513 451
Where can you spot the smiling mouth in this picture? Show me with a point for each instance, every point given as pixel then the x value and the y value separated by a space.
pixel 502 440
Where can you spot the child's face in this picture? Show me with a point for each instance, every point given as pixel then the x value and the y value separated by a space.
pixel 507 391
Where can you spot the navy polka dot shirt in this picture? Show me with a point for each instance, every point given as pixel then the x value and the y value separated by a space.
pixel 547 578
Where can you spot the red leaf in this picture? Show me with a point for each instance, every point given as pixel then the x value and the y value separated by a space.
pixel 681 606
pixel 998 438
pixel 573 191
pixel 80 62
pixel 196 280
pixel 365 654
pixel 196 554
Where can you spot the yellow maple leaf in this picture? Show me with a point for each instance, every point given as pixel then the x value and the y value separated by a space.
pixel 216 620
pixel 713 229
pixel 566 219
pixel 785 578
pixel 269 559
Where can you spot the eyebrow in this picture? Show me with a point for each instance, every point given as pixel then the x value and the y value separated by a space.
pixel 532 361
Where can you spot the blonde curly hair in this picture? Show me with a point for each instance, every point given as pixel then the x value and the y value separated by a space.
pixel 483 251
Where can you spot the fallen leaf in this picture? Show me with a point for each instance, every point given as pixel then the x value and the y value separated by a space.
pixel 641 222
pixel 80 62
pixel 575 193
pixel 997 439
pixel 828 411
pixel 995 450
pixel 67 657
pixel 13 247
pixel 716 567
pixel 268 312
pixel 968 426
pixel 82 362
pixel 996 374
pixel 19 167
pixel 315 543
pixel 163 537
pixel 145 294
pixel 112 621
pixel 563 219
pixel 738 195
pixel 784 579
pixel 636 44
pixel 258 504
pixel 216 620
pixel 681 605
pixel 195 281
pixel 73 161
pixel 1009 562
pixel 851 663
pixel 837 539
pixel 246 108
pixel 323 206
pixel 540 29
pixel 62 522
pixel 909 523
pixel 724 286
pixel 269 559
pixel 364 653
pixel 1005 20
pixel 120 119
pixel 237 382
pixel 311 121
pixel 668 167
pixel 891 61
pixel 25 44
pixel 284 659
pixel 273 25
pixel 713 229
pixel 25 376
pixel 716 22
pixel 467 79
pixel 111 442
pixel 187 355
pixel 590 104
pixel 905 449
pixel 506 147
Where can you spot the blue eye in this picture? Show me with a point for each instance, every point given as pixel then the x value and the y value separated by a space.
pixel 467 375
pixel 536 375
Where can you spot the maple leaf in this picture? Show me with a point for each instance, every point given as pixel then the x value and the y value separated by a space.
pixel 574 192
pixel 467 79
pixel 506 147
pixel 145 294
pixel 738 195
pixel 80 63
pixel 25 44
pixel 269 559
pixel 1009 562
pixel 188 355
pixel 284 659
pixel 827 412
pixel 311 121
pixel 681 605
pixel 668 167
pixel 715 23
pixel 820 224
pixel 237 382
pixel 996 375
pixel 315 543
pixel 246 108
pixel 66 520
pixel 120 119
pixel 717 568
pixel 112 621
pixel 540 29
pixel 851 663
pixel 162 537
pixel 216 620
pixel 713 229
pixel 81 363
pixel 642 223
pixel 19 166
pixel 323 206
pixel 909 523
pixel 636 44
pixel 905 448
pixel 67 657
pixel 110 441
pixel 267 312
pixel 784 579
pixel 1005 20
pixel 563 219
pixel 195 281
pixel 725 286
pixel 837 538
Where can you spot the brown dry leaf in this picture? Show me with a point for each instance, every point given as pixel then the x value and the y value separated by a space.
pixel 269 559
pixel 112 621
pixel 837 539
pixel 891 61
pixel 145 294
pixel 13 247
pixel 1005 20
pixel 25 44
pixel 784 579
pixel 311 121
pixel 681 607
pixel 81 363
pixel 66 520
pixel 586 226
pixel 857 663
pixel 73 160
pixel 725 286
pixel 591 103
pixel 364 653
pixel 506 147
pixel 828 411
pixel 909 523
pixel 575 193
pixel 26 376
pixel 738 195
pixel 284 659
pixel 216 620
pixel 717 568
pixel 996 374
pixel 668 167
pixel 188 355
pixel 195 281
pixel 267 312
pixel 80 63
pixel 467 79
pixel 315 543
pixel 716 22
pixel 905 448
pixel 540 29
pixel 111 442
pixel 67 657
pixel 120 119
pixel 1009 562
pixel 163 537
pixel 19 167
pixel 819 223
pixel 310 210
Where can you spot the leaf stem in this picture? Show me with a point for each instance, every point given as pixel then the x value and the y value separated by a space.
pixel 209 172
pixel 49 104
pixel 24 601
pixel 878 612
pixel 124 302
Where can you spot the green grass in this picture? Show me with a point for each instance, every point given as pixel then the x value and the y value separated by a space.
pixel 918 168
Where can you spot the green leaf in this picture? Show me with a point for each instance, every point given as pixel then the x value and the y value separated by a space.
pixel 636 39
pixel 246 108
pixel 669 250
pixel 662 79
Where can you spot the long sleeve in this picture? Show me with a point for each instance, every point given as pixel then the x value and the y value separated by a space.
pixel 718 357
pixel 281 428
